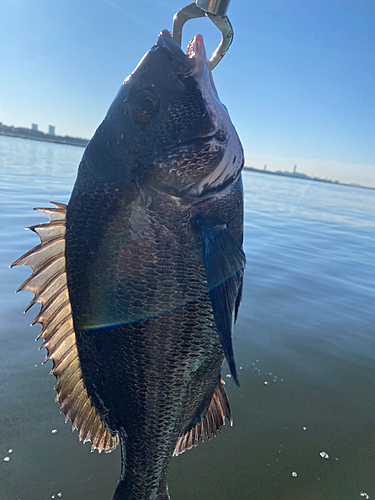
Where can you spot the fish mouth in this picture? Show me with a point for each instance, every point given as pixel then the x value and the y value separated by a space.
pixel 185 64
pixel 193 63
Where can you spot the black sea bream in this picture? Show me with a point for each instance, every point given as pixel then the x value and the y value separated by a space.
pixel 140 275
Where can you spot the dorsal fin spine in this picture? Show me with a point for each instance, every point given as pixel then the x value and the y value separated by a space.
pixel 86 432
pixel 38 255
pixel 59 279
pixel 51 329
pixel 52 300
pixel 52 347
pixel 74 411
pixel 31 283
pixel 62 381
pixel 49 284
pixel 78 419
pixel 70 399
pixel 44 310
pixel 63 361
pixel 67 387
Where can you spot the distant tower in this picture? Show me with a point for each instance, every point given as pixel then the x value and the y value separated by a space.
pixel 51 129
pixel 295 169
pixel 265 167
pixel 34 126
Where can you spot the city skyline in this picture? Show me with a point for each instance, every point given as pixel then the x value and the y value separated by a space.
pixel 313 168
pixel 299 79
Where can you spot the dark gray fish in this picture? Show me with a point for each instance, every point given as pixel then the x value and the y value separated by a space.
pixel 140 275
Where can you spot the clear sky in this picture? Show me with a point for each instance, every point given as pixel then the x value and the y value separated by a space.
pixel 299 80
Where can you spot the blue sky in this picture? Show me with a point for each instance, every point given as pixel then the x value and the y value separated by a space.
pixel 299 80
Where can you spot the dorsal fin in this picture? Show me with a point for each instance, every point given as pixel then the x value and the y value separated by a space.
pixel 49 284
pixel 209 426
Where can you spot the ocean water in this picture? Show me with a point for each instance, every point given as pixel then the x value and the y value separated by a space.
pixel 304 416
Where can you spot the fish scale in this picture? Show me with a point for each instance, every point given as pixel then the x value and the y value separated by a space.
pixel 139 350
pixel 140 275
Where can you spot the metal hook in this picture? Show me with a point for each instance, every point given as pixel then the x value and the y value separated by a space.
pixel 210 9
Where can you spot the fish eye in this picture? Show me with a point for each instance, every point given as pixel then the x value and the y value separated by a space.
pixel 145 104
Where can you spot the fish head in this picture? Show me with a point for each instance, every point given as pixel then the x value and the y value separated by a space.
pixel 167 127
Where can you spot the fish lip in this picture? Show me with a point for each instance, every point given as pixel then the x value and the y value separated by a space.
pixel 194 64
pixel 182 63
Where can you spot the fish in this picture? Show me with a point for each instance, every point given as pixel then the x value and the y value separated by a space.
pixel 140 275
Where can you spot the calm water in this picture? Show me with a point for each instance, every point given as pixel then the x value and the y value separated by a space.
pixel 304 342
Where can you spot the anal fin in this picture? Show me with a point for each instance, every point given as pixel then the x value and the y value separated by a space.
pixel 209 426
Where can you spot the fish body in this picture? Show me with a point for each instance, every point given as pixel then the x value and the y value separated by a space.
pixel 152 261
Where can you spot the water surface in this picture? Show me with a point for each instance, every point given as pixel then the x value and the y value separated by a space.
pixel 304 344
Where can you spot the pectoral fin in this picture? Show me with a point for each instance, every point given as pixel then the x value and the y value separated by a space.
pixel 224 262
pixel 49 284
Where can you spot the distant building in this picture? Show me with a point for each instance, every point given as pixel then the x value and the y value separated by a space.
pixel 51 129
pixel 295 169
pixel 265 167
pixel 34 126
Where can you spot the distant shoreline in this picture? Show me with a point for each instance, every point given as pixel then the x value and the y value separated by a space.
pixel 20 133
pixel 305 177
pixel 35 135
